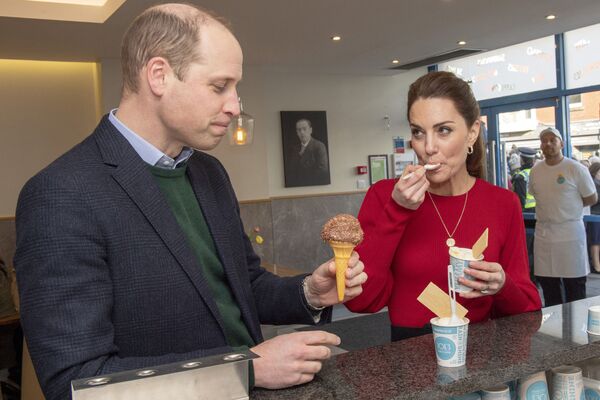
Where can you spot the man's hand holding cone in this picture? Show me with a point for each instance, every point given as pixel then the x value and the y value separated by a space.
pixel 343 233
pixel 321 286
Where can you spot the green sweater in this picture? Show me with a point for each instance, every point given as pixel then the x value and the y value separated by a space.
pixel 177 188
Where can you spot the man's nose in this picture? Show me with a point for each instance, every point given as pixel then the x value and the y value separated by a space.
pixel 232 104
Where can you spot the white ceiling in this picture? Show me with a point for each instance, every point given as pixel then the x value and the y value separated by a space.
pixel 295 35
pixel 61 10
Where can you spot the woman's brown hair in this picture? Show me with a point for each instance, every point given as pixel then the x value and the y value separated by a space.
pixel 446 85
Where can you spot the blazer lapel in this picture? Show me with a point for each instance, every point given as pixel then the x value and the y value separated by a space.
pixel 133 175
pixel 221 235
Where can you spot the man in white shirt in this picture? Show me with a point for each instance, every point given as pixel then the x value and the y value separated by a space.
pixel 562 188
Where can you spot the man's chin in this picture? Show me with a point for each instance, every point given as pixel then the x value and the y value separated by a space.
pixel 207 144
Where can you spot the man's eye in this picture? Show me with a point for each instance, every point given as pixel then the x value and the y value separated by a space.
pixel 219 88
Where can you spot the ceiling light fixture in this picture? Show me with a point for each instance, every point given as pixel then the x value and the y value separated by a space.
pixel 461 43
pixel 336 38
pixel 95 3
pixel 550 17
pixel 241 129
pixel 395 61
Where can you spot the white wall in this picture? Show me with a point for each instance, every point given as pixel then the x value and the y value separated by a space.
pixel 45 109
pixel 355 107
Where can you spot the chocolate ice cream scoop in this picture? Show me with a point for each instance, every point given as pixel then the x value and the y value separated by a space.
pixel 342 228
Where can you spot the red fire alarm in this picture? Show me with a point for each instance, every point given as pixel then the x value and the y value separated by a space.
pixel 361 169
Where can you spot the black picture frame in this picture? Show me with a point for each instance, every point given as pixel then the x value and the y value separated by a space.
pixel 378 168
pixel 305 165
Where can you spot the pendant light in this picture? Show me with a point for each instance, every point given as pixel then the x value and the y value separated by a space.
pixel 241 129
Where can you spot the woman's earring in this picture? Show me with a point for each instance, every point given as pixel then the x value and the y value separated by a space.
pixel 470 150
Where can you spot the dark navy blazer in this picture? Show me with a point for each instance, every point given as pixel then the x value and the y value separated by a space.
pixel 107 279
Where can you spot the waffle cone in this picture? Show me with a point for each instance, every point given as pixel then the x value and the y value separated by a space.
pixel 342 252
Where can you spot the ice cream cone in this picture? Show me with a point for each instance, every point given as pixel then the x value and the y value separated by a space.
pixel 342 252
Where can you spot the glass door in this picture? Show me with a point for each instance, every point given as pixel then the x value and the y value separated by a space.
pixel 513 126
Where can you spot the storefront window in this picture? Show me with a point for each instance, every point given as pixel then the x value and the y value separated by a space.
pixel 522 68
pixel 584 111
pixel 582 57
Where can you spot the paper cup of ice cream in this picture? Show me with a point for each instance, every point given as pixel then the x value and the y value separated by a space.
pixel 459 259
pixel 450 341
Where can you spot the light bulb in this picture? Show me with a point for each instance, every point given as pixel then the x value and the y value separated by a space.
pixel 241 129
pixel 240 136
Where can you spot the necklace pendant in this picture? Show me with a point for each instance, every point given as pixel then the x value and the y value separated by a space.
pixel 450 242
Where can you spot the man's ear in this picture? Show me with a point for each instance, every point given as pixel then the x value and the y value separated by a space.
pixel 157 73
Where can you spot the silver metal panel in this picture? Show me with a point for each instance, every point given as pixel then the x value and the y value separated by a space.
pixel 215 377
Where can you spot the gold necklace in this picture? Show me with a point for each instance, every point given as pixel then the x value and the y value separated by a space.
pixel 450 241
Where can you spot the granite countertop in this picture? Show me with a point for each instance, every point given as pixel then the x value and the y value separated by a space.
pixel 499 351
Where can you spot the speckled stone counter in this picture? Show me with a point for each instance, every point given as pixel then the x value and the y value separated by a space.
pixel 498 351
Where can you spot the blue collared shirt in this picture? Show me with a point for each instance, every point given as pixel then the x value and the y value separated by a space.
pixel 150 154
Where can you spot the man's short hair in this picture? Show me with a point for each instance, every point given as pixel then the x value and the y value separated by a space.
pixel 160 32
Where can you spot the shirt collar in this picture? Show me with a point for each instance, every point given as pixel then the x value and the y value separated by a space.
pixel 147 152
pixel 306 144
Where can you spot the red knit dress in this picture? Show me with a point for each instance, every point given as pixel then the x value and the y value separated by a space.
pixel 403 250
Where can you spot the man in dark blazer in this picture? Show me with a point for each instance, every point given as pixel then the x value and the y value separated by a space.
pixel 130 248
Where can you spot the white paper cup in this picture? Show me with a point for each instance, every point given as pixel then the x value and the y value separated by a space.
pixel 567 383
pixel 593 322
pixel 534 387
pixel 500 392
pixel 450 341
pixel 459 259
pixel 591 388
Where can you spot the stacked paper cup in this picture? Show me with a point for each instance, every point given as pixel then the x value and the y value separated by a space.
pixel 500 392
pixel 533 387
pixel 567 383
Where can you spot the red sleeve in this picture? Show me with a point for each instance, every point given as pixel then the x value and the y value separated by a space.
pixel 519 294
pixel 383 222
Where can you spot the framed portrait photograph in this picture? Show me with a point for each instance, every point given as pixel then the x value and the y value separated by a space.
pixel 378 168
pixel 305 148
